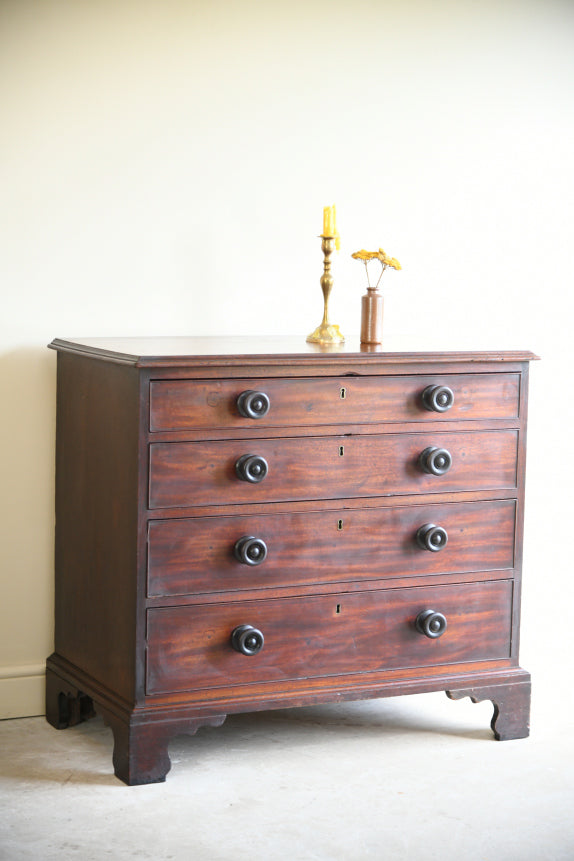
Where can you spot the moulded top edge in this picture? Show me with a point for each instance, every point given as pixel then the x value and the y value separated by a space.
pixel 181 351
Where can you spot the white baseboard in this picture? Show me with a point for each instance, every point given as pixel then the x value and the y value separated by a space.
pixel 22 691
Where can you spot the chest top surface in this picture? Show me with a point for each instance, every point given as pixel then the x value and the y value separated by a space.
pixel 182 351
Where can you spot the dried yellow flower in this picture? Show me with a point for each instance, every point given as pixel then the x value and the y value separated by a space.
pixel 381 256
pixel 364 255
pixel 388 261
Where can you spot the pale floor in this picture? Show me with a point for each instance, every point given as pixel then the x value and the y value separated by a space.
pixel 409 778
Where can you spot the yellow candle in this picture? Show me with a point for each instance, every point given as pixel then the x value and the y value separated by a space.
pixel 329 221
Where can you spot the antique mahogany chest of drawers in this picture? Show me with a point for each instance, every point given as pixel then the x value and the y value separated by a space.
pixel 246 525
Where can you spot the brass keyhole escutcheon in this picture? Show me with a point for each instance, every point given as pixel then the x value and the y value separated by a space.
pixel 341 450
pixel 343 393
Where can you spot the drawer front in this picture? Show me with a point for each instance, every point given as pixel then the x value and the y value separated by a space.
pixel 198 554
pixel 204 473
pixel 189 648
pixel 196 404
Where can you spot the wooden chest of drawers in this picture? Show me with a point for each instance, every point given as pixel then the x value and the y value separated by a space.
pixel 243 525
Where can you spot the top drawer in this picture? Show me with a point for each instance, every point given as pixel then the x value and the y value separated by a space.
pixel 188 404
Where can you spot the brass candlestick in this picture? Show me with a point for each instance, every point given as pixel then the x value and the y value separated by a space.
pixel 326 333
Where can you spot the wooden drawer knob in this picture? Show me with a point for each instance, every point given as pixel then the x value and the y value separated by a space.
pixel 250 550
pixel 435 461
pixel 431 537
pixel 253 405
pixel 247 640
pixel 431 624
pixel 251 468
pixel 438 399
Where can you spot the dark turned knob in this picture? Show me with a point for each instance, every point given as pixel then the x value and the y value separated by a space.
pixel 251 468
pixel 438 399
pixel 435 461
pixel 253 405
pixel 431 537
pixel 431 624
pixel 250 550
pixel 247 640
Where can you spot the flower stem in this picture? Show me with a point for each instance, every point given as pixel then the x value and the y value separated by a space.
pixel 383 267
pixel 366 262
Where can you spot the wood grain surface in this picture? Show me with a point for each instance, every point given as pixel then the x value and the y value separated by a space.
pixel 189 556
pixel 189 647
pixel 181 404
pixel 332 467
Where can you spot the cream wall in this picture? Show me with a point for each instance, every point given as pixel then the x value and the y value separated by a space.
pixel 163 168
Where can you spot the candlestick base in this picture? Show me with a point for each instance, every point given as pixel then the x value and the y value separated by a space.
pixel 326 333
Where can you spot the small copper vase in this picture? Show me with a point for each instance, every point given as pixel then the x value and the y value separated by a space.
pixel 372 317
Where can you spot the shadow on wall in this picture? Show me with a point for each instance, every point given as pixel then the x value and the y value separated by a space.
pixel 27 434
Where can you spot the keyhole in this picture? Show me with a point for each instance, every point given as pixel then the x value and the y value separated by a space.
pixel 338 608
pixel 341 450
pixel 343 393
pixel 339 525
